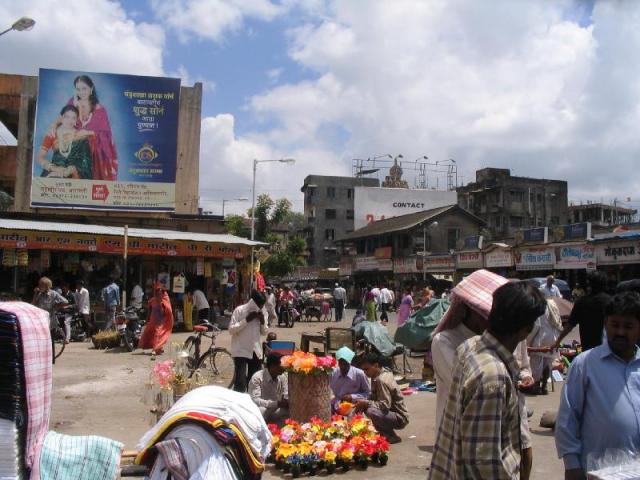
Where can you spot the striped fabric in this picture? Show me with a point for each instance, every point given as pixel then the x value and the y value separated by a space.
pixel 475 291
pixel 479 437
pixel 82 458
pixel 173 457
pixel 33 323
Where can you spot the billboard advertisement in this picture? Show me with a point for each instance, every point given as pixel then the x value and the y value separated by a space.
pixel 105 141
pixel 372 203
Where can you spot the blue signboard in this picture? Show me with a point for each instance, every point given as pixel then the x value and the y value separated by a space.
pixel 105 141
pixel 575 231
pixel 532 235
pixel 472 243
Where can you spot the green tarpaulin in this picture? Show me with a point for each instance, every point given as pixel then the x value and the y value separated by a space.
pixel 377 335
pixel 416 332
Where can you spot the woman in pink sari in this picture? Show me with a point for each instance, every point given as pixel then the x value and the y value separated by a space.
pixel 160 323
pixel 93 117
pixel 405 307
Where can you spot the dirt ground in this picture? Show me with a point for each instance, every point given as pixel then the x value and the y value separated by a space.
pixel 99 393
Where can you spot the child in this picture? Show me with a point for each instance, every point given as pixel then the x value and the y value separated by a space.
pixel 358 318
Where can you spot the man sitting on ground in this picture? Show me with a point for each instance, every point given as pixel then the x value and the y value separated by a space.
pixel 268 389
pixel 348 383
pixel 385 407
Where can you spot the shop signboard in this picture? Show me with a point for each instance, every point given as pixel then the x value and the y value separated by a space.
pixel 346 269
pixel 541 258
pixel 62 241
pixel 576 257
pixel 10 239
pixel 439 263
pixel 472 243
pixel 382 252
pixel 618 253
pixel 468 260
pixel 532 235
pixel 405 265
pixel 105 141
pixel 374 203
pixel 498 258
pixel 366 264
pixel 575 231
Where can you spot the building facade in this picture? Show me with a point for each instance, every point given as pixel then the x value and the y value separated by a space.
pixel 601 215
pixel 508 204
pixel 329 214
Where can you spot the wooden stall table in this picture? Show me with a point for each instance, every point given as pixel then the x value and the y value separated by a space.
pixel 306 338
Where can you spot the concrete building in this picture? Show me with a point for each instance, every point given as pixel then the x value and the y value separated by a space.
pixel 329 213
pixel 507 203
pixel 601 215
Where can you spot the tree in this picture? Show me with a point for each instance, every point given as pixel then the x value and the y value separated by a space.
pixel 235 225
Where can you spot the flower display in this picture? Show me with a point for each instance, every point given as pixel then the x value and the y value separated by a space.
pixel 308 363
pixel 315 445
pixel 344 408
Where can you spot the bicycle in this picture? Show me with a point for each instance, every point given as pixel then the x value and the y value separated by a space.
pixel 58 341
pixel 215 365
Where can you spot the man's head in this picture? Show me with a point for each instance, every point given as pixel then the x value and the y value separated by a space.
pixel 515 308
pixel 623 324
pixel 337 285
pixel 45 284
pixel 370 364
pixel 258 298
pixel 550 281
pixel 596 282
pixel 271 336
pixel 79 285
pixel 344 356
pixel 474 321
pixel 274 365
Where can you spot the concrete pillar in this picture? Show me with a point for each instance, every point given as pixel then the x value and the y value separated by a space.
pixel 188 161
pixel 24 154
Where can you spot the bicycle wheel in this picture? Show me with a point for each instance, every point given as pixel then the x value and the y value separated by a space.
pixel 57 341
pixel 189 346
pixel 216 368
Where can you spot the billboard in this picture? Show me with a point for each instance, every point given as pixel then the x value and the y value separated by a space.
pixel 373 203
pixel 105 141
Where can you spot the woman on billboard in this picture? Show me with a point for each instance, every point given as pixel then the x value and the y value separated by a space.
pixel 93 117
pixel 71 152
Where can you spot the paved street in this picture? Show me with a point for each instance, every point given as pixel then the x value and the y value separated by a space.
pixel 98 392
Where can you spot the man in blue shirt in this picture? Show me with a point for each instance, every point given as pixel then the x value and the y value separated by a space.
pixel 111 299
pixel 348 383
pixel 600 403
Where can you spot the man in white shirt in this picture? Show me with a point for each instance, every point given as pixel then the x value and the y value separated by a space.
pixel 339 299
pixel 201 304
pixel 137 295
pixel 386 299
pixel 550 289
pixel 272 315
pixel 248 323
pixel 83 304
pixel 268 389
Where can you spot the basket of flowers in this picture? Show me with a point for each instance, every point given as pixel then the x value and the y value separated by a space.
pixel 309 392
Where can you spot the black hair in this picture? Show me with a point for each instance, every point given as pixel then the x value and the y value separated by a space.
pixel 371 358
pixel 625 304
pixel 597 281
pixel 80 282
pixel 273 359
pixel 258 298
pixel 629 286
pixel 515 305
pixel 70 108
pixel 93 98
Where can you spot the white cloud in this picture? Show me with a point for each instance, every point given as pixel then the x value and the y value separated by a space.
pixel 517 85
pixel 188 81
pixel 80 35
pixel 211 19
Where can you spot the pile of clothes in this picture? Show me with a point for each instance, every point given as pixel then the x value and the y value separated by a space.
pixel 211 432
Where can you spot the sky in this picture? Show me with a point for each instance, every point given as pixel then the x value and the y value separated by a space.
pixel 549 89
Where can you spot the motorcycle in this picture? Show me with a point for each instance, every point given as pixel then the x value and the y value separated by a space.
pixel 69 315
pixel 288 314
pixel 129 326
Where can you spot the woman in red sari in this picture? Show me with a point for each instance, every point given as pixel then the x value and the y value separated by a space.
pixel 93 117
pixel 160 322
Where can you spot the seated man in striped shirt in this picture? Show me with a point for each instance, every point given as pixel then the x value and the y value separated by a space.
pixel 479 437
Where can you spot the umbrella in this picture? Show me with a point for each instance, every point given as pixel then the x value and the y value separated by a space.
pixel 564 306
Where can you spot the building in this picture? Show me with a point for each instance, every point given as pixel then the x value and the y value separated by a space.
pixel 601 215
pixel 508 204
pixel 329 214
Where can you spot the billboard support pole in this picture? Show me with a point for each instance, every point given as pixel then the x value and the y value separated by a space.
pixel 124 279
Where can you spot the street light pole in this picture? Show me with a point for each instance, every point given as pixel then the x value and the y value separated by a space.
pixel 225 200
pixel 289 161
pixel 20 25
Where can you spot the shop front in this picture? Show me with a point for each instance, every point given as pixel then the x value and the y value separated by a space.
pixel 619 258
pixel 534 261
pixel 468 262
pixel 441 270
pixel 574 260
pixel 499 259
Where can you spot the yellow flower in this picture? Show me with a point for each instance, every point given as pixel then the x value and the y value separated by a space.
pixel 330 456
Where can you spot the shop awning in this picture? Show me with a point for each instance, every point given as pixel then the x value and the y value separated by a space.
pixel 32 225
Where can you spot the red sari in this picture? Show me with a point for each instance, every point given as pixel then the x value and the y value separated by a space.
pixel 158 328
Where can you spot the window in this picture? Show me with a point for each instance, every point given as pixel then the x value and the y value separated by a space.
pixel 349 214
pixel 349 193
pixel 331 192
pixel 517 196
pixel 497 221
pixel 453 234
pixel 539 198
pixel 516 221
pixel 404 241
pixel 310 191
pixel 329 234
pixel 330 214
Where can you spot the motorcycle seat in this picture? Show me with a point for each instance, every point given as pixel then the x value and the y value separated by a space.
pixel 205 327
pixel 200 328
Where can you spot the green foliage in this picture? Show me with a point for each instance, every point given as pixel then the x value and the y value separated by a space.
pixel 235 225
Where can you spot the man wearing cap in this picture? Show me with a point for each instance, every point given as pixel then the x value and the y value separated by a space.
pixel 348 383
pixel 339 297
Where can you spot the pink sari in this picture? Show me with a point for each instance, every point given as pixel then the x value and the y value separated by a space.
pixel 405 309
pixel 103 151
pixel 158 328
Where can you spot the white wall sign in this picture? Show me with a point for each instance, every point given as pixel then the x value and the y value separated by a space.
pixel 575 257
pixel 467 260
pixel 499 258
pixel 439 263
pixel 364 264
pixel 405 265
pixel 618 253
pixel 374 203
pixel 543 258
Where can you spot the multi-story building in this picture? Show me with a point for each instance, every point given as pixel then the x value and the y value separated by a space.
pixel 507 203
pixel 601 214
pixel 328 209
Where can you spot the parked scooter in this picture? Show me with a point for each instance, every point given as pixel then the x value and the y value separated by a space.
pixel 129 325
